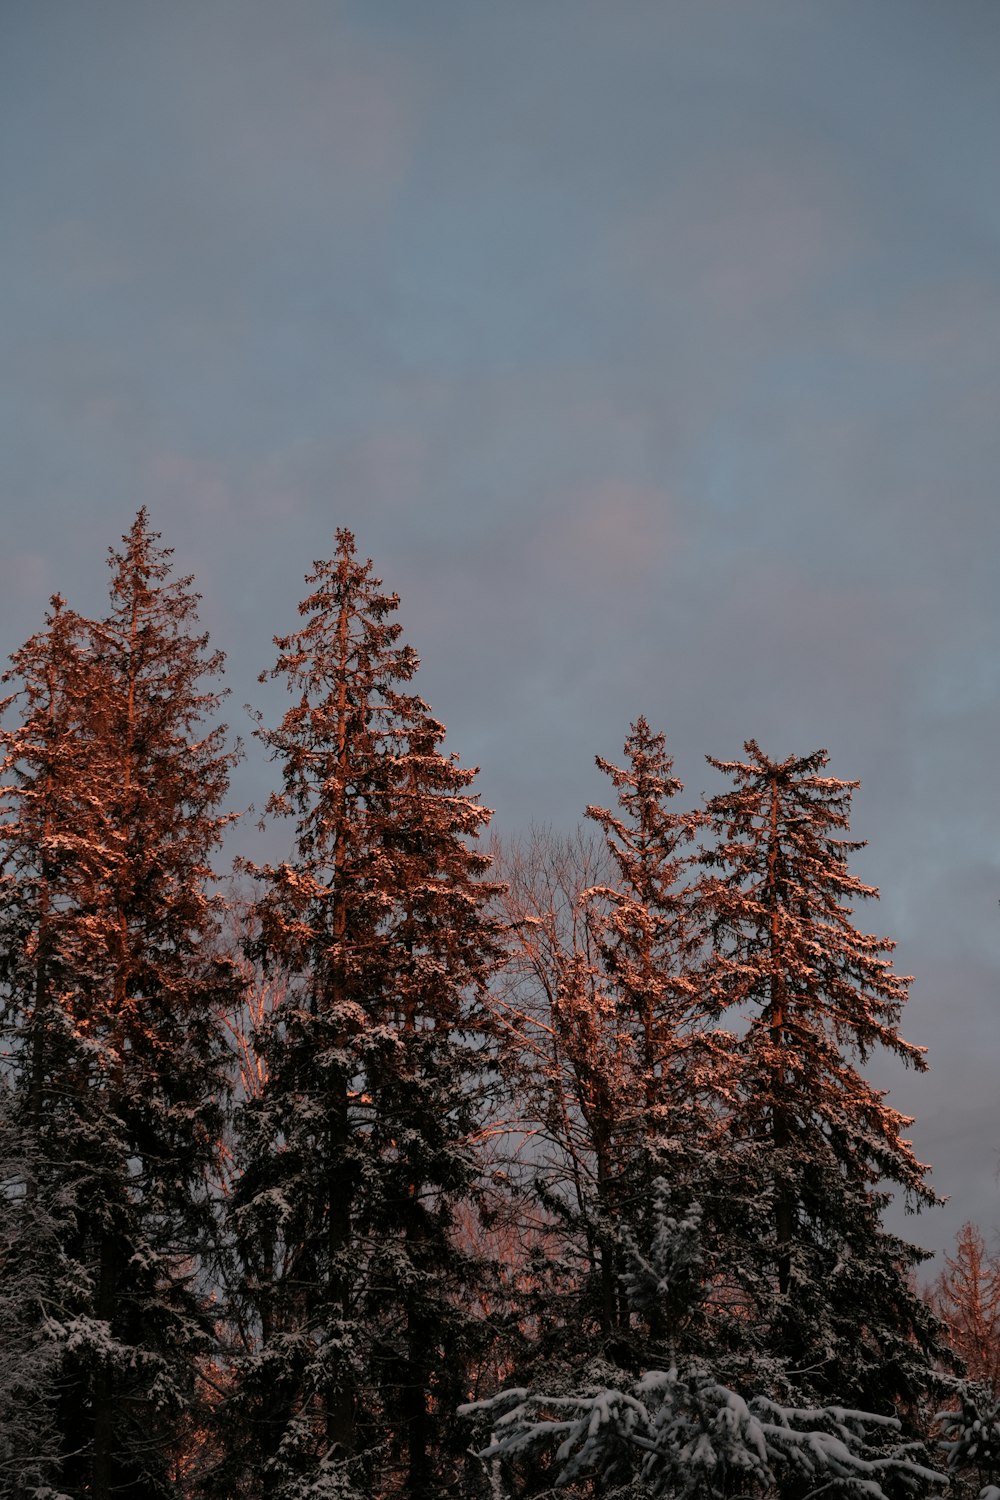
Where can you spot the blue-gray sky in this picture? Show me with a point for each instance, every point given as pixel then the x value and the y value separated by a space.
pixel 652 350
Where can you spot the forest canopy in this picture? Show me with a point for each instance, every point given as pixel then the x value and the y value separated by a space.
pixel 413 1165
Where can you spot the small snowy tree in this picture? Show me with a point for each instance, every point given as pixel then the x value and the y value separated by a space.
pixel 677 1431
pixel 969 1436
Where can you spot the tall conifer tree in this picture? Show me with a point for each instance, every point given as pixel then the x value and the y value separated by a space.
pixel 113 992
pixel 676 1066
pixel 361 1145
pixel 826 1294
pixel 619 1068
pixel 44 765
pixel 648 933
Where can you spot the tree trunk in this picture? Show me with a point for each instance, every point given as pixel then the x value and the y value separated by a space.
pixel 103 1443
pixel 784 1207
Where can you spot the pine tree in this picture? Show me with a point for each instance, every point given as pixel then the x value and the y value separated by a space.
pixel 361 1147
pixel 44 1176
pixel 646 935
pixel 675 1065
pixel 43 766
pixel 113 989
pixel 618 1066
pixel 821 1289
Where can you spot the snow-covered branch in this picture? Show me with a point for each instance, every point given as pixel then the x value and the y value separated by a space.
pixel 684 1435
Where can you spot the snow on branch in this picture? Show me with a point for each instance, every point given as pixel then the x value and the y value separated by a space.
pixel 684 1435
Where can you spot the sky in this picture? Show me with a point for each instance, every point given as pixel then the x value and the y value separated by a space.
pixel 650 350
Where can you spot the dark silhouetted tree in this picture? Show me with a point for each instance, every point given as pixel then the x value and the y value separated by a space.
pixel 33 1291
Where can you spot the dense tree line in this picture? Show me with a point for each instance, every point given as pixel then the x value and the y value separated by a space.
pixel 423 1169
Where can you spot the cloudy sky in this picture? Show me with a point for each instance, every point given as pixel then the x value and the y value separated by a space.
pixel 652 351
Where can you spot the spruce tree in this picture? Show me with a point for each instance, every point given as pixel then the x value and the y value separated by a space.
pixel 113 989
pixel 44 765
pixel 646 938
pixel 360 1149
pixel 620 1069
pixel 675 1066
pixel 820 1296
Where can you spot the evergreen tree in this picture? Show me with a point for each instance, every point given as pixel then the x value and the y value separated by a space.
pixel 360 1148
pixel 646 935
pixel 31 1293
pixel 44 766
pixel 620 1070
pixel 113 989
pixel 678 1434
pixel 675 1065
pixel 821 1289
pixel 39 1284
